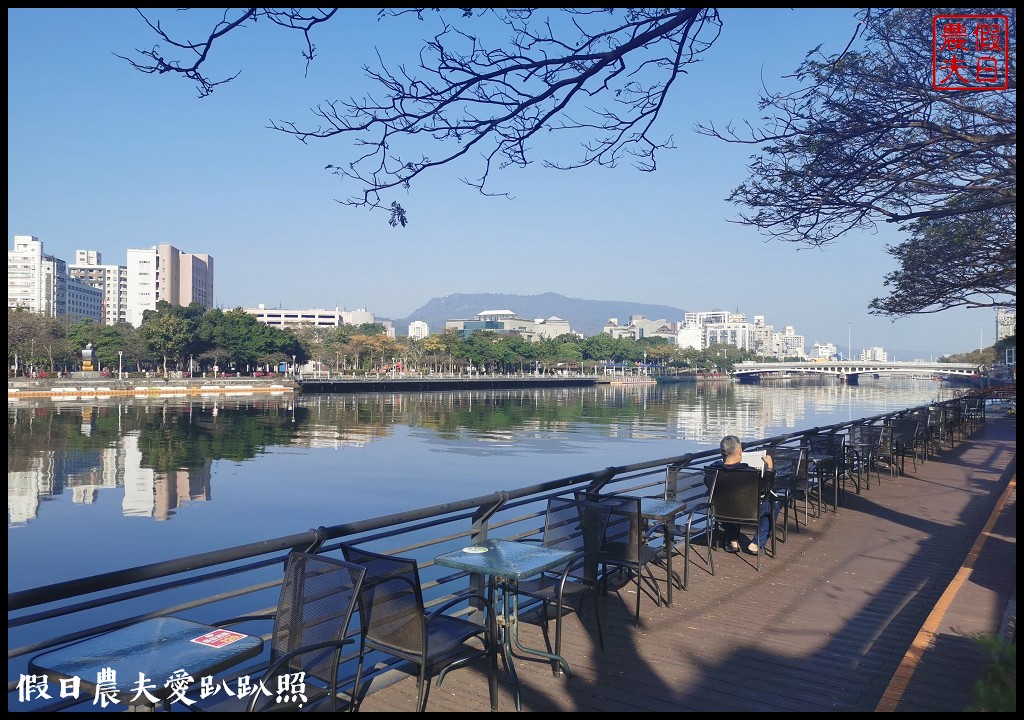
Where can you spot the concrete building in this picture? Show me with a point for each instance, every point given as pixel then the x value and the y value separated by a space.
pixel 40 283
pixel 640 327
pixel 312 317
pixel 110 280
pixel 825 351
pixel 163 272
pixel 1006 323
pixel 789 344
pixel 506 321
pixel 32 277
pixel 418 330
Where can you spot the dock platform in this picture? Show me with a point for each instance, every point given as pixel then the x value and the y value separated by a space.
pixel 871 609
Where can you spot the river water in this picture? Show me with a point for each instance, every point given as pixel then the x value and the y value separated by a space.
pixel 102 485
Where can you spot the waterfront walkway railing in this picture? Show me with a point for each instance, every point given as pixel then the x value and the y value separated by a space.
pixel 245 579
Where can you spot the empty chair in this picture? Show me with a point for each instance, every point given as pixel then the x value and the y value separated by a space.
pixel 863 446
pixel 826 462
pixel 885 452
pixel 736 497
pixel 936 426
pixel 694 523
pixel 394 620
pixel 625 546
pixel 954 423
pixel 792 484
pixel 317 598
pixel 908 440
pixel 579 526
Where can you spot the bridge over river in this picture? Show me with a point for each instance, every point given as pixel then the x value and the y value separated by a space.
pixel 850 371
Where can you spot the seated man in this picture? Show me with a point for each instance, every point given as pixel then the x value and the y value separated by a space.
pixel 732 459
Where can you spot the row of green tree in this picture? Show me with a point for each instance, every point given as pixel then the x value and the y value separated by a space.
pixel 175 338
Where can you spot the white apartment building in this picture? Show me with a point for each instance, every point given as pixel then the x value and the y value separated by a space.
pixel 735 332
pixel 690 336
pixel 824 351
pixel 110 280
pixel 789 344
pixel 418 330
pixel 874 354
pixel 30 277
pixel 706 318
pixel 40 283
pixel 1006 323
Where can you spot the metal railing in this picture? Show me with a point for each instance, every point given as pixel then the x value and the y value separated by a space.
pixel 245 579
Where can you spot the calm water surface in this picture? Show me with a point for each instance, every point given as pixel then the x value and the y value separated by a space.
pixel 109 484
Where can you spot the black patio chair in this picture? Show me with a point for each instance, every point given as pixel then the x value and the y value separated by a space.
pixel 694 523
pixel 579 526
pixel 793 484
pixel 625 547
pixel 394 620
pixel 908 441
pixel 736 498
pixel 317 598
pixel 827 463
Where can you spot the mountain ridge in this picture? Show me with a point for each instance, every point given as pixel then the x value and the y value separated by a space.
pixel 584 316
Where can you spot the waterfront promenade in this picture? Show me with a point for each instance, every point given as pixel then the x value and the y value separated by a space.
pixel 869 609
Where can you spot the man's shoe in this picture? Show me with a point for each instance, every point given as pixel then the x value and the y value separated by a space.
pixel 733 547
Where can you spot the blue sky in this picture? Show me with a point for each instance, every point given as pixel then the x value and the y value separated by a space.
pixel 105 158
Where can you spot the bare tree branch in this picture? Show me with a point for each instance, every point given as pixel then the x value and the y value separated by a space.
pixel 867 138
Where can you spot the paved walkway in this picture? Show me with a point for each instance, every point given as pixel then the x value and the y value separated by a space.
pixel 873 608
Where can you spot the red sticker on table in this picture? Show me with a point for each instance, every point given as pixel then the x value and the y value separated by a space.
pixel 218 638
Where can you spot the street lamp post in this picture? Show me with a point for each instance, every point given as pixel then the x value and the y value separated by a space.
pixel 294 374
pixel 120 354
pixel 849 340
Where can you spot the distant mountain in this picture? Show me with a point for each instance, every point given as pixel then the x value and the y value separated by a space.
pixel 585 316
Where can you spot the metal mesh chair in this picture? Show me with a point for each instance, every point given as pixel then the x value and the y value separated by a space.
pixel 318 595
pixel 695 523
pixel 625 545
pixel 826 462
pixel 394 620
pixel 908 440
pixel 793 484
pixel 579 526
pixel 863 446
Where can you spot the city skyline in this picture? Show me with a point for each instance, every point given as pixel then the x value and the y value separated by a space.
pixel 809 347
pixel 135 161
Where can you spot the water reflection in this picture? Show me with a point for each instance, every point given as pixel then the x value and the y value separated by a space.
pixel 87 479
pixel 162 452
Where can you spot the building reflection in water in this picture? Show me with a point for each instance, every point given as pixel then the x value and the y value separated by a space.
pixel 160 453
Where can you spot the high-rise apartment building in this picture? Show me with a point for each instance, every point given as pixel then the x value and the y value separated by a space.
pixel 105 293
pixel 40 283
pixel 164 272
pixel 110 280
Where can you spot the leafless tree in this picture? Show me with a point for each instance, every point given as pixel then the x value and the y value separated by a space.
pixel 493 102
pixel 865 138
